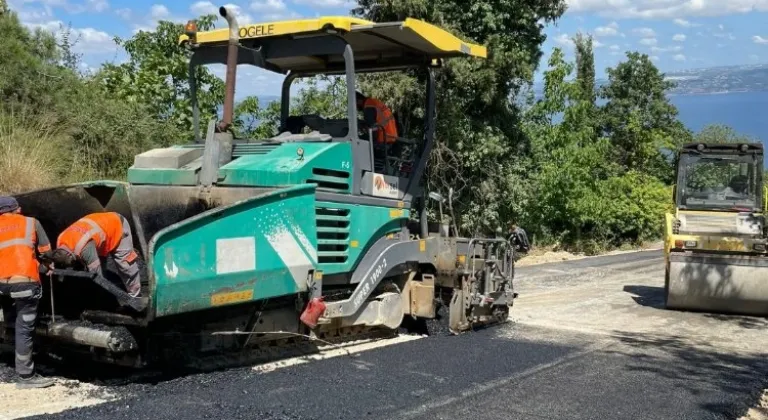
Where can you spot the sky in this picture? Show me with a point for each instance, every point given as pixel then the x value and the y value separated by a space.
pixel 677 34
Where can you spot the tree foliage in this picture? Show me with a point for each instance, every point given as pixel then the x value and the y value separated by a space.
pixel 585 67
pixel 639 118
pixel 718 133
pixel 157 75
pixel 28 63
pixel 91 133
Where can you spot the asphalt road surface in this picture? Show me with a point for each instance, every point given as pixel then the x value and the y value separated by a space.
pixel 588 339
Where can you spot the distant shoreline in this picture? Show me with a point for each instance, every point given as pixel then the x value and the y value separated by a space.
pixel 726 92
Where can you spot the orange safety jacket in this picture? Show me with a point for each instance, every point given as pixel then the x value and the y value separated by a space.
pixel 104 229
pixel 384 119
pixel 18 238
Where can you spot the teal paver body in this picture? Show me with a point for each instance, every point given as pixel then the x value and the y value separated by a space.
pixel 267 245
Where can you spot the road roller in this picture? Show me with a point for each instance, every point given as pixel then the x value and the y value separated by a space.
pixel 715 241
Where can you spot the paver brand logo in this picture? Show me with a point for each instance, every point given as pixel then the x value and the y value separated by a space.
pixel 385 186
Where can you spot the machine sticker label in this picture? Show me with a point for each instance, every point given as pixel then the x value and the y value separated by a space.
pixel 305 243
pixel 291 254
pixel 231 297
pixel 385 186
pixel 370 282
pixel 235 255
pixel 253 31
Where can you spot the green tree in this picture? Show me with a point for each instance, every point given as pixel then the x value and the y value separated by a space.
pixel 106 133
pixel 157 75
pixel 91 134
pixel 28 64
pixel 322 95
pixel 718 133
pixel 569 159
pixel 639 118
pixel 581 195
pixel 69 58
pixel 585 67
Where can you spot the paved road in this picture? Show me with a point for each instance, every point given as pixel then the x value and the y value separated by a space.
pixel 588 341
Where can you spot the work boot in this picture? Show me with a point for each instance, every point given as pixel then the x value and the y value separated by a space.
pixel 134 289
pixel 143 301
pixel 34 381
pixel 134 304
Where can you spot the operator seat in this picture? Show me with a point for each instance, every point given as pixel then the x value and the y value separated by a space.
pixel 293 124
pixel 395 158
pixel 739 184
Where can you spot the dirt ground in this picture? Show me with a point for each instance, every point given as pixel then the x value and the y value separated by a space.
pixel 64 395
pixel 624 298
pixel 760 412
pixel 624 302
pixel 548 255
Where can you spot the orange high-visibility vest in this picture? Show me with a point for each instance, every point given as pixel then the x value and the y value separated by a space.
pixel 384 119
pixel 104 229
pixel 17 247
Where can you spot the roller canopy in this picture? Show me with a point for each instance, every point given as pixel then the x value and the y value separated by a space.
pixel 317 45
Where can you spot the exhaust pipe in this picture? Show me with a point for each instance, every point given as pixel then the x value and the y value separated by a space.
pixel 234 40
pixel 218 142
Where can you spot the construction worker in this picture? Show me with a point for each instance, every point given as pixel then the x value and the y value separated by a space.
pixel 519 238
pixel 96 236
pixel 387 127
pixel 20 237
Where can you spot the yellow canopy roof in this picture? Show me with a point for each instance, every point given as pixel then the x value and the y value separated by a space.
pixel 402 42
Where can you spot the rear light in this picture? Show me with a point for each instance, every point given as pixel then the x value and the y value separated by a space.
pixel 679 244
pixel 759 247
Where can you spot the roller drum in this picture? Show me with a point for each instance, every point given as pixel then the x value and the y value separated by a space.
pixel 729 284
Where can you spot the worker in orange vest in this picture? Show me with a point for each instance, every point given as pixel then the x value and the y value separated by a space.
pixel 22 242
pixel 97 236
pixel 385 121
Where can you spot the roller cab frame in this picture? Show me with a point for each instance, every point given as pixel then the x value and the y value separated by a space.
pixel 314 231
pixel 715 240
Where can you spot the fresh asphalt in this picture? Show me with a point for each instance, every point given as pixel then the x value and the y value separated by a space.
pixel 513 371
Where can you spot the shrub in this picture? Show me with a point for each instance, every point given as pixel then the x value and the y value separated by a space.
pixel 633 207
pixel 30 149
pixel 107 132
